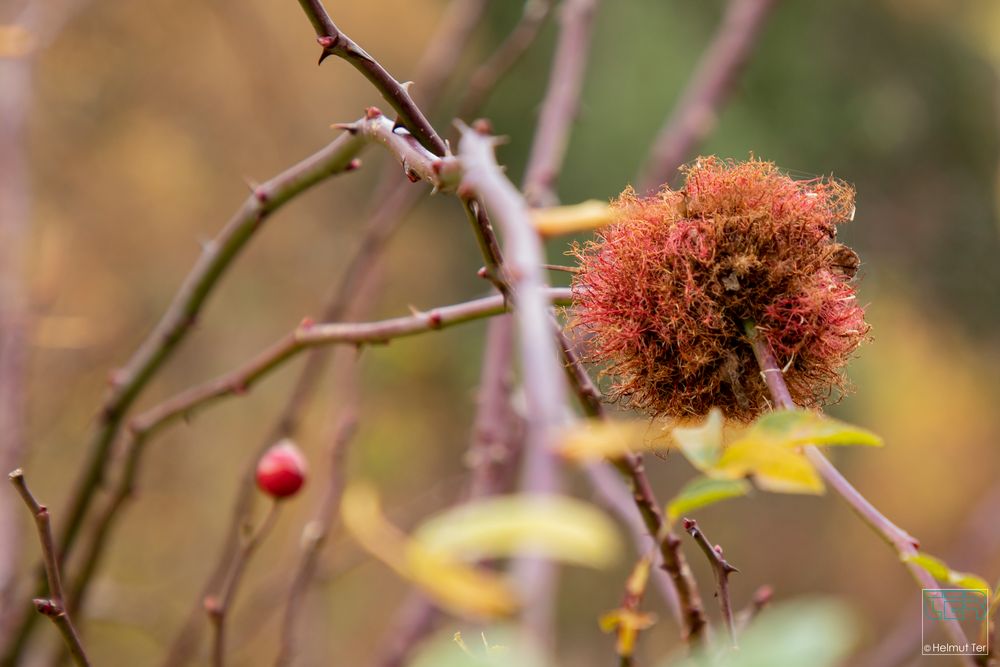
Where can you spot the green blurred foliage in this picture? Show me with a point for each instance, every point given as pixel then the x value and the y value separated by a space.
pixel 148 116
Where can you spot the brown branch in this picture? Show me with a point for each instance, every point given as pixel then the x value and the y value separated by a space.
pixel 561 103
pixel 713 80
pixel 240 380
pixel 488 74
pixel 315 533
pixel 180 317
pixel 54 607
pixel 218 607
pixel 722 569
pixel 901 542
pixel 357 283
pixel 336 43
pixel 631 468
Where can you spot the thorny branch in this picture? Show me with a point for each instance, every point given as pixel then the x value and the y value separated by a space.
pixel 239 381
pixel 631 468
pixel 54 607
pixel 336 43
pixel 180 317
pixel 722 569
pixel 902 542
pixel 391 201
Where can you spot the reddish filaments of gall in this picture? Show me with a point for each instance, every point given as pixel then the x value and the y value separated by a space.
pixel 281 471
pixel 662 294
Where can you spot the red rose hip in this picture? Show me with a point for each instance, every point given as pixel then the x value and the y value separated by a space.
pixel 281 471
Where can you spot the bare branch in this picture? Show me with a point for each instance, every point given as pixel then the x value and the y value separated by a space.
pixel 561 103
pixel 54 607
pixel 315 533
pixel 902 542
pixel 688 600
pixel 336 43
pixel 713 80
pixel 180 317
pixel 237 382
pixel 218 607
pixel 722 569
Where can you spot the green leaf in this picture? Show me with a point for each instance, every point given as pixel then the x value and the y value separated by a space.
pixel 938 569
pixel 705 491
pixel 556 527
pixel 817 633
pixel 701 444
pixel 795 428
pixel 773 467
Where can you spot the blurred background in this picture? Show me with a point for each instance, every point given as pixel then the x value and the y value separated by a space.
pixel 147 118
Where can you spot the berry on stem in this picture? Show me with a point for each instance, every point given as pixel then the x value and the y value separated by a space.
pixel 281 471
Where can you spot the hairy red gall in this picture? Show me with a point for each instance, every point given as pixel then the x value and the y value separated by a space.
pixel 661 295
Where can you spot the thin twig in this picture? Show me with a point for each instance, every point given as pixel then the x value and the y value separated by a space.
pixel 902 543
pixel 219 606
pixel 315 533
pixel 54 607
pixel 722 569
pixel 561 103
pixel 631 468
pixel 240 380
pixel 351 296
pixel 487 75
pixel 711 84
pixel 180 317
pixel 336 43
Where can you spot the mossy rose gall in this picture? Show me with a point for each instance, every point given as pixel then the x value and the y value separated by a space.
pixel 662 294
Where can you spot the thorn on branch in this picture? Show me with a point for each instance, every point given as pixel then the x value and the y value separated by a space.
pixel 722 569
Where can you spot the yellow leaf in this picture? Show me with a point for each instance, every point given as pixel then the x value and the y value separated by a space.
pixel 459 588
pixel 701 444
pixel 942 572
pixel 773 467
pixel 593 439
pixel 795 428
pixel 628 623
pixel 555 527
pixel 585 216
